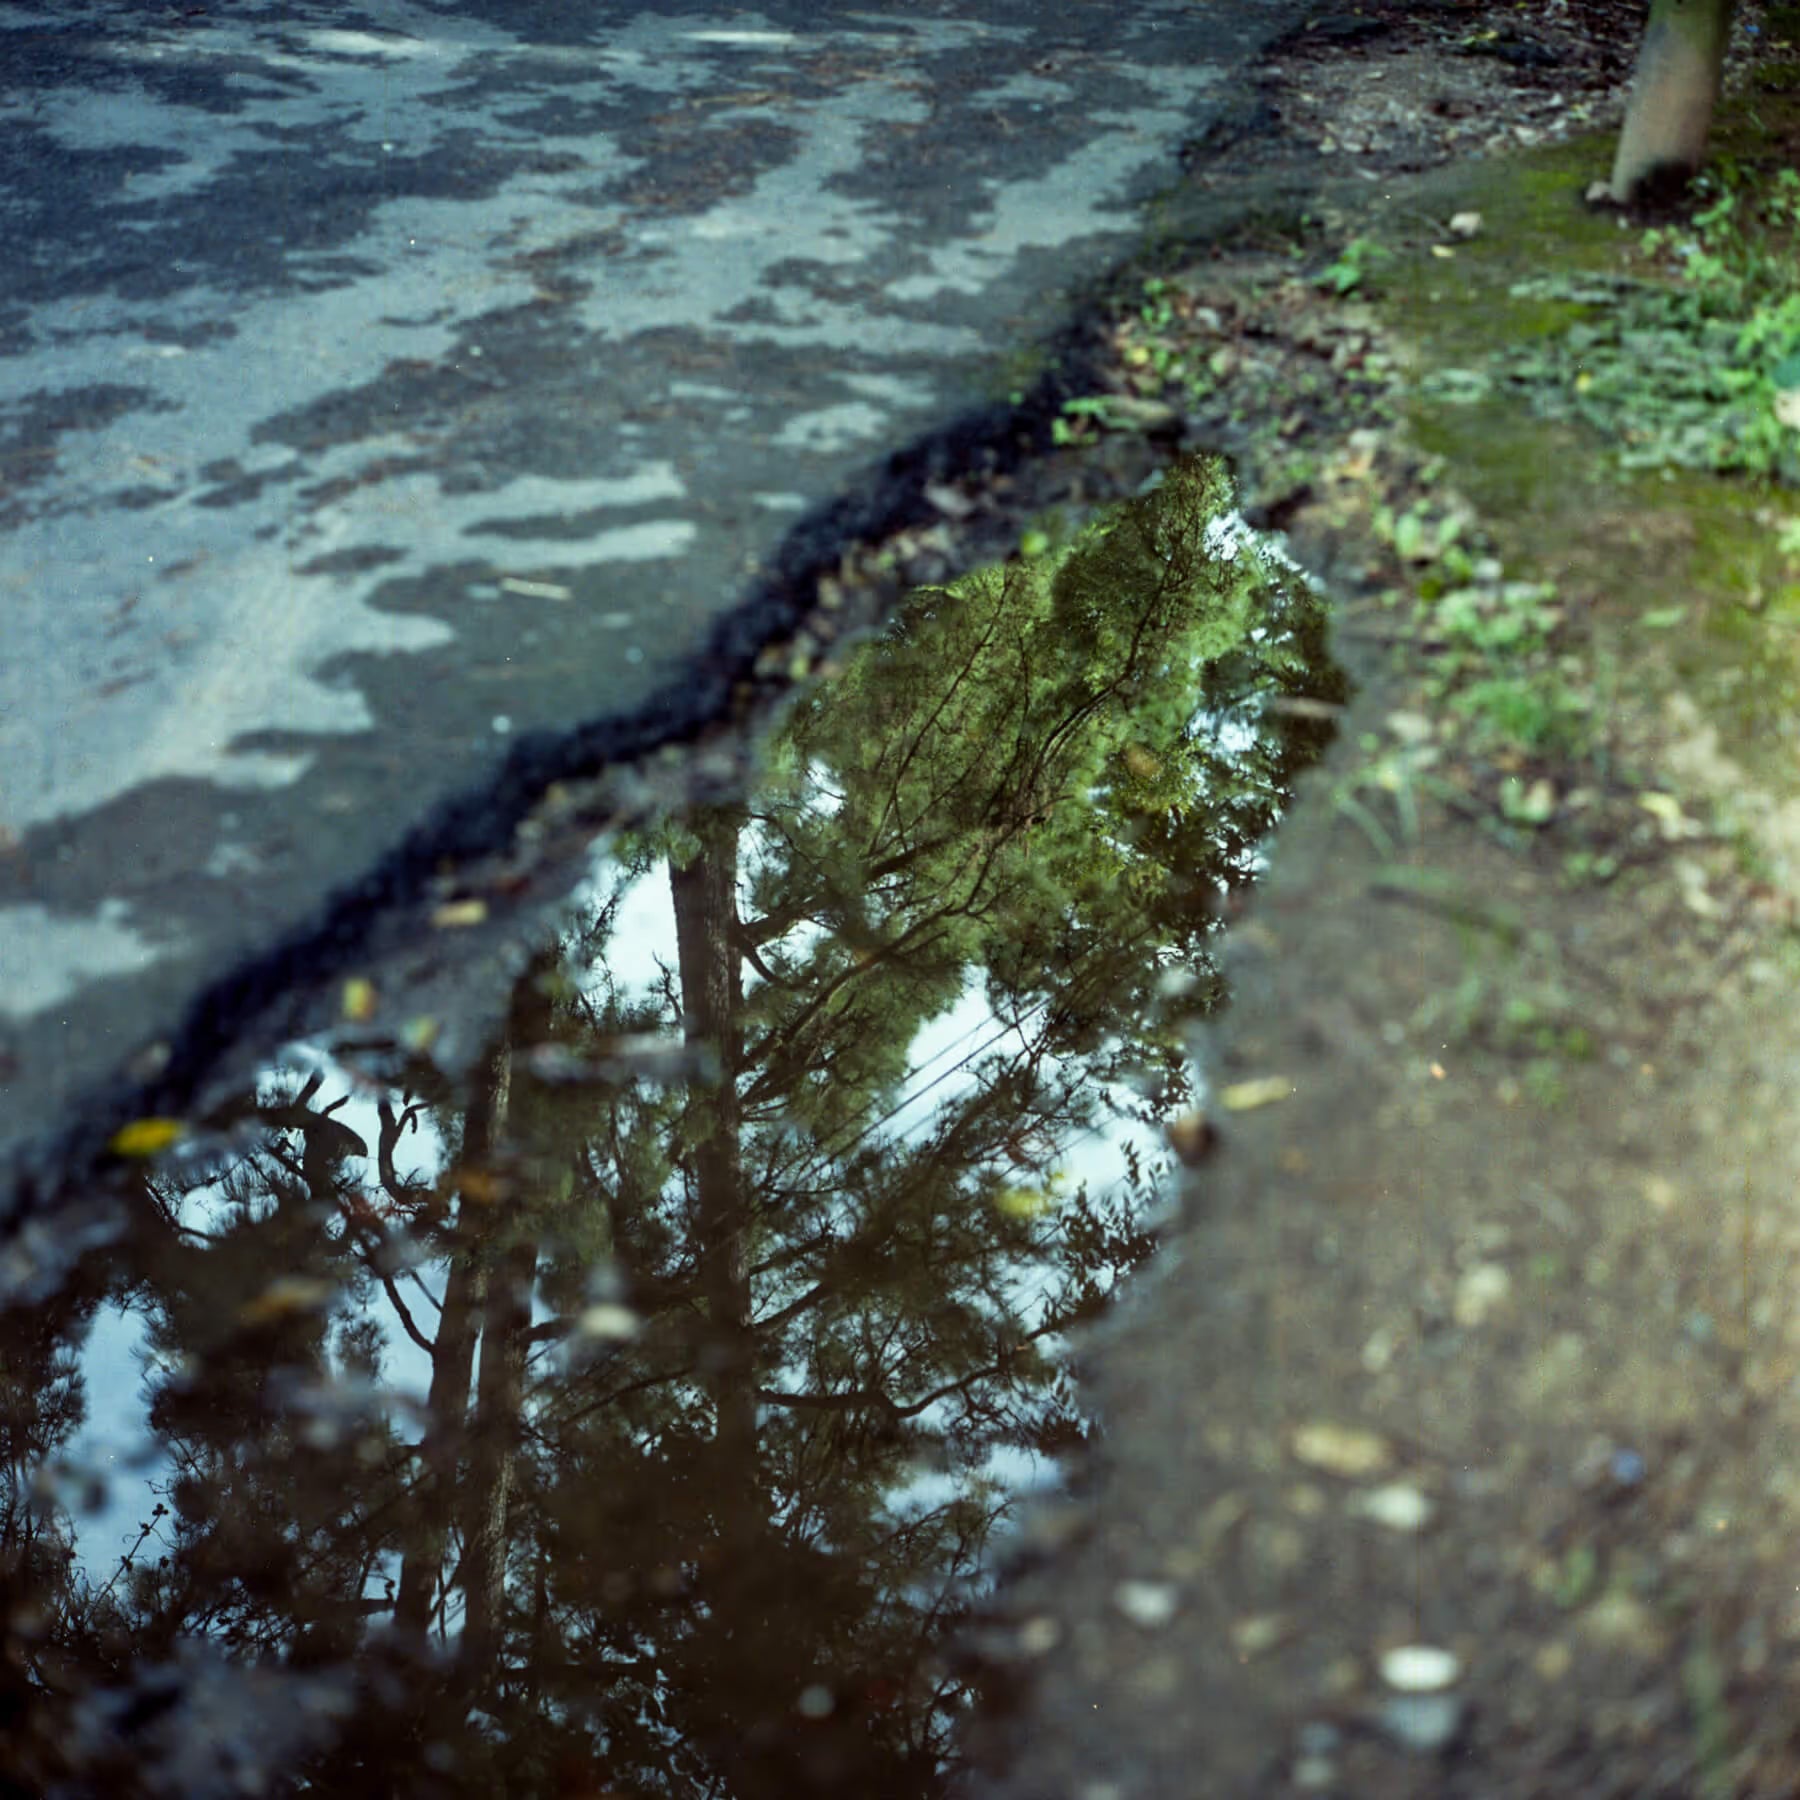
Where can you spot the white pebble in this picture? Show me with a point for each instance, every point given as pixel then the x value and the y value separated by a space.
pixel 1150 1604
pixel 1397 1505
pixel 1419 1668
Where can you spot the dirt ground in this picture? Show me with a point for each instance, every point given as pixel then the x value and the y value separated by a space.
pixel 1480 1346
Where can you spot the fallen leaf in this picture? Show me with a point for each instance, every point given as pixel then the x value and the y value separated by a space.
pixel 146 1137
pixel 1134 413
pixel 949 500
pixel 1246 1096
pixel 1671 821
pixel 456 914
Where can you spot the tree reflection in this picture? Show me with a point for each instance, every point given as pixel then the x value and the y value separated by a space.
pixel 713 1378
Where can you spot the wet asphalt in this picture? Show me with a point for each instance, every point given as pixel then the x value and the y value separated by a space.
pixel 404 405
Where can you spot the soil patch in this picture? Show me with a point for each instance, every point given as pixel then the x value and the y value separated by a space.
pixel 1452 1449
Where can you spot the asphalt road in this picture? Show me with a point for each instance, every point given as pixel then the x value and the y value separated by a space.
pixel 391 395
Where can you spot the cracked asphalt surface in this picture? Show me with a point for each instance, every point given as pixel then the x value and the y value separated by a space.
pixel 408 403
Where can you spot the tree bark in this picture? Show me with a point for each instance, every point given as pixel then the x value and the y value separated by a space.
pixel 1673 92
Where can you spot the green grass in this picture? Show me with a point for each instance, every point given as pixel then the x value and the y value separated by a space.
pixel 1693 360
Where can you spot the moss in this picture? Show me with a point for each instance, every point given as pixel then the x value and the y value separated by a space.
pixel 1671 580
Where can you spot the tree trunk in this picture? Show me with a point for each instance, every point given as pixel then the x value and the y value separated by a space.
pixel 705 896
pixel 1673 92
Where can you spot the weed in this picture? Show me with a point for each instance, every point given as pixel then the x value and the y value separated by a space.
pixel 1356 265
pixel 1703 1678
pixel 1589 868
pixel 1157 310
pixel 1539 716
pixel 1697 364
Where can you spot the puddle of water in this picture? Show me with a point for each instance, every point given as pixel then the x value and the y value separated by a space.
pixel 639 1417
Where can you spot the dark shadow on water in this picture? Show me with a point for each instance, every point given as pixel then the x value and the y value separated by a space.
pixel 639 1418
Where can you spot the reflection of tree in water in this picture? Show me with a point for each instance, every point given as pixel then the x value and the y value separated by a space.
pixel 695 1530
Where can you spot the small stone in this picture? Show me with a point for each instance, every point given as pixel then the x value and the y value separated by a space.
pixel 1479 1292
pixel 1318 1737
pixel 1465 224
pixel 1419 1668
pixel 1341 1449
pixel 1398 1505
pixel 1150 1604
pixel 1258 1633
pixel 1620 1621
pixel 1159 1679
pixel 1423 1723
pixel 1039 1636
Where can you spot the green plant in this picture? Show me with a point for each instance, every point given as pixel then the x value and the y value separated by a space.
pixel 1072 426
pixel 1530 712
pixel 1703 1679
pixel 1157 311
pixel 1700 365
pixel 1356 264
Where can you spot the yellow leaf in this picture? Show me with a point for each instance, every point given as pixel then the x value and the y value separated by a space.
pixel 1246 1096
pixel 146 1137
pixel 455 914
pixel 359 998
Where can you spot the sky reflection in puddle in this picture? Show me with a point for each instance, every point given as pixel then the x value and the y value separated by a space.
pixel 637 1418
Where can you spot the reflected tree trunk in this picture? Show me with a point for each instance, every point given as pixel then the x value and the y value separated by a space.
pixel 705 896
pixel 453 1356
pixel 539 1159
pixel 499 1403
